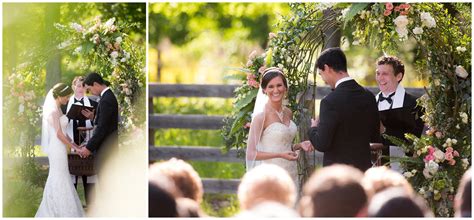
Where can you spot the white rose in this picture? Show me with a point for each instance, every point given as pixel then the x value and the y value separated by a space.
pixel 427 174
pixel 461 72
pixel 464 117
pixel 454 141
pixel 461 49
pixel 401 21
pixel 458 127
pixel 427 20
pixel 439 155
pixel 418 30
pixel 402 31
pixel 118 39
pixel 109 23
pixel 114 55
pixel 432 166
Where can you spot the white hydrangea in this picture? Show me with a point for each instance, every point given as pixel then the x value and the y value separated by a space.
pixel 401 21
pixel 114 55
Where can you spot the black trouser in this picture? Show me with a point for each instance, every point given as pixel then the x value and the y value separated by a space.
pixel 88 187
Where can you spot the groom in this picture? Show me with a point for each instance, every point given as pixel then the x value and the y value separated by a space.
pixel 104 137
pixel 348 120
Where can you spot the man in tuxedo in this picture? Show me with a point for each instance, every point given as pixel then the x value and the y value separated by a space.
pixel 72 131
pixel 104 137
pixel 398 110
pixel 348 120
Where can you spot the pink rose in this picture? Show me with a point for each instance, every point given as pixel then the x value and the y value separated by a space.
pixel 397 8
pixel 449 149
pixel 429 157
pixel 448 156
pixel 387 13
pixel 388 6
pixel 405 6
pixel 431 150
pixel 455 153
pixel 452 162
pixel 404 12
pixel 247 125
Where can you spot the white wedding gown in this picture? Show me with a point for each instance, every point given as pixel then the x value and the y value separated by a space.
pixel 277 138
pixel 60 198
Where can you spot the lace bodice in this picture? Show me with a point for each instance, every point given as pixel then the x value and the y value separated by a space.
pixel 278 137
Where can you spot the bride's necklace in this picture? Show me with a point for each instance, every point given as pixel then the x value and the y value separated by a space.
pixel 279 114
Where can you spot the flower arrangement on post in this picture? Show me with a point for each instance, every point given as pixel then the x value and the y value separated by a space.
pixel 107 48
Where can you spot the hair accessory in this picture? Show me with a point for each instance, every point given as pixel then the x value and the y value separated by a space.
pixel 64 89
pixel 272 69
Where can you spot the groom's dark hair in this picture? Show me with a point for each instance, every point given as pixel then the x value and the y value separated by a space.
pixel 93 77
pixel 334 58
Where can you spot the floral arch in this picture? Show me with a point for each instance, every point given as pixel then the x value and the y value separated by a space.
pixel 442 33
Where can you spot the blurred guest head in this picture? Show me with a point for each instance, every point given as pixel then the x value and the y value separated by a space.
pixel 334 191
pixel 462 202
pixel 266 182
pixel 189 208
pixel 377 179
pixel 396 202
pixel 161 203
pixel 183 175
pixel 268 210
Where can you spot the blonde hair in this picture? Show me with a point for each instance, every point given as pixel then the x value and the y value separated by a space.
pixel 183 175
pixel 267 182
pixel 377 179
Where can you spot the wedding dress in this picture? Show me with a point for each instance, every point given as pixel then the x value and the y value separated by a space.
pixel 277 138
pixel 60 198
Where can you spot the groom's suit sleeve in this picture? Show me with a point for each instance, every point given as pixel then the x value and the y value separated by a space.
pixel 321 137
pixel 100 132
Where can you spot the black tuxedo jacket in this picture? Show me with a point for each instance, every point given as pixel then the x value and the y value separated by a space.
pixel 106 122
pixel 348 123
pixel 403 120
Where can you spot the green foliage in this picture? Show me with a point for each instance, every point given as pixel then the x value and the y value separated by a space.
pixel 220 205
pixel 21 198
pixel 220 170
pixel 183 22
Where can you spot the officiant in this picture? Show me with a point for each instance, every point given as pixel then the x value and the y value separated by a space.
pixel 398 110
pixel 79 98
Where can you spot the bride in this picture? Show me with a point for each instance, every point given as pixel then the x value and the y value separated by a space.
pixel 272 131
pixel 60 198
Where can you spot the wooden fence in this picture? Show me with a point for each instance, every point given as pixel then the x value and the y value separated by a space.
pixel 206 122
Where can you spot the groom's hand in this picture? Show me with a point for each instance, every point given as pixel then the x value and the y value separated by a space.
pixel 315 122
pixel 85 152
pixel 307 146
pixel 88 114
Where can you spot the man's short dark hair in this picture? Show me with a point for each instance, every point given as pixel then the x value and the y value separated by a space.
pixel 334 57
pixel 161 203
pixel 393 61
pixel 94 77
pixel 395 202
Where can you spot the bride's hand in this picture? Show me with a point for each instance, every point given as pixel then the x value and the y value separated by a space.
pixel 75 147
pixel 289 155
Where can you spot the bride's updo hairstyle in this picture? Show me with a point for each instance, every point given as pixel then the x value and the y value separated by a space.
pixel 61 90
pixel 271 73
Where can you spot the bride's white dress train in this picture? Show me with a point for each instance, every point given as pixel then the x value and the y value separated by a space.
pixel 277 138
pixel 60 198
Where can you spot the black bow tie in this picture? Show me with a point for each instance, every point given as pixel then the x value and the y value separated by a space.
pixel 388 99
pixel 78 100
